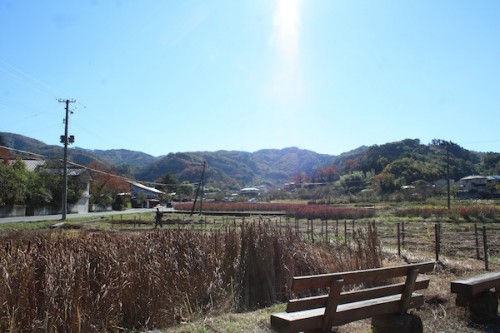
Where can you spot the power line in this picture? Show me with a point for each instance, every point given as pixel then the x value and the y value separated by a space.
pixel 24 152
pixel 25 79
pixel 127 179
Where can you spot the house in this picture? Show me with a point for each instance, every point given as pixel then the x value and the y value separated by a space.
pixel 251 191
pixel 144 194
pixel 493 181
pixel 474 183
pixel 82 176
pixel 480 187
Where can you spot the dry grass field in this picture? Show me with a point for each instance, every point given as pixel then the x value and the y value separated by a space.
pixel 197 276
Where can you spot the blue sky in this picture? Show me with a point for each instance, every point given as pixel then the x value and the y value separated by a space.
pixel 189 75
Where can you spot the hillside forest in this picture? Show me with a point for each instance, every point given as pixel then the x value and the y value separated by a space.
pixel 396 171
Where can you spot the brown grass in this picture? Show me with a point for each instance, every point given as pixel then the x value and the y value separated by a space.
pixel 96 282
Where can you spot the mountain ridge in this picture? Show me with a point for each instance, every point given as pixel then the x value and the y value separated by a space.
pixel 396 163
pixel 234 167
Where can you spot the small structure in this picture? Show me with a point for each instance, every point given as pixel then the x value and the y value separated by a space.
pixel 474 183
pixel 84 177
pixel 480 187
pixel 251 191
pixel 150 195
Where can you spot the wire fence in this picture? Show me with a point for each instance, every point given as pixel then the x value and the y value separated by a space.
pixel 479 241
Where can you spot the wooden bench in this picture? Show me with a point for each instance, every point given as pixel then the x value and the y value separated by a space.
pixel 373 296
pixel 476 293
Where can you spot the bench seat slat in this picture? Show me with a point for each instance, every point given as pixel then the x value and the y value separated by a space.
pixel 352 296
pixel 346 313
pixel 356 277
pixel 476 284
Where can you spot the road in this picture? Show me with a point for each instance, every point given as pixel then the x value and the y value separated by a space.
pixel 73 216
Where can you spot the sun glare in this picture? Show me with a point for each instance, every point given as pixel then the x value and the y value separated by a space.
pixel 286 83
pixel 287 20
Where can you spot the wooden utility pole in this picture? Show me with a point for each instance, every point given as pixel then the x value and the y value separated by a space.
pixel 65 140
pixel 448 175
pixel 200 184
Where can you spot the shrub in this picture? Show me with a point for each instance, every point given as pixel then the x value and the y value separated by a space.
pixel 291 210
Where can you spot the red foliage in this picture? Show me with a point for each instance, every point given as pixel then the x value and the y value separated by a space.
pixel 292 210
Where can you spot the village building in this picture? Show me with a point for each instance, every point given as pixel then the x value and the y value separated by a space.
pixel 144 196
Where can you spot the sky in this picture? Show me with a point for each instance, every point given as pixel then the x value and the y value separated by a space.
pixel 191 75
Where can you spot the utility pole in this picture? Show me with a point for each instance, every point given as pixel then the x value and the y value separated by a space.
pixel 65 140
pixel 448 174
pixel 200 184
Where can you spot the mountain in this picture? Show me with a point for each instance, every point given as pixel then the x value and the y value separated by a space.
pixel 118 157
pixel 271 166
pixel 231 168
pixel 124 157
pixel 404 161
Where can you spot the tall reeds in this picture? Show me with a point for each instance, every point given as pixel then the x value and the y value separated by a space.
pixel 96 282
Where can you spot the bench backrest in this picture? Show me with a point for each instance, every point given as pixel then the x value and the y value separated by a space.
pixel 336 282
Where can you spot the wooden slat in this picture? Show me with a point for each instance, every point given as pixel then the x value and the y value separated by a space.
pixel 393 289
pixel 305 303
pixel 331 305
pixel 292 322
pixel 374 307
pixel 476 284
pixel 356 277
pixel 352 296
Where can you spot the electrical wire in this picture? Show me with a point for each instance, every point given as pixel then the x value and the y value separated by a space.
pixel 129 180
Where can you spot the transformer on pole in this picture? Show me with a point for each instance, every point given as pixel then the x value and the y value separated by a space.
pixel 66 140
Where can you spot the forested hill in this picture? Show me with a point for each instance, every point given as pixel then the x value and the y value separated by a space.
pixel 400 162
pixel 273 166
pixel 409 160
pixel 116 157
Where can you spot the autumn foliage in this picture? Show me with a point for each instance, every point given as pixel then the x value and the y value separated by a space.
pixel 291 210
pixel 105 184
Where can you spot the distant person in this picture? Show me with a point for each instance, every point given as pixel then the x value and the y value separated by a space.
pixel 158 217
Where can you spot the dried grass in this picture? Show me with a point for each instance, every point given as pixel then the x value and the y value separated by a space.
pixel 96 282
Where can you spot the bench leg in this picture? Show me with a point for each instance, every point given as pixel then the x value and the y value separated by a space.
pixel 484 308
pixel 407 323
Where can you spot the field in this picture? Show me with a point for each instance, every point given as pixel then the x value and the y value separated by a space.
pixel 91 281
pixel 211 273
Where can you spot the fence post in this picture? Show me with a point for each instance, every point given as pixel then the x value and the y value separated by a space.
pixel 399 240
pixel 345 231
pixel 437 241
pixel 326 231
pixel 403 234
pixel 337 229
pixel 485 244
pixel 478 256
pixel 312 231
pixel 322 229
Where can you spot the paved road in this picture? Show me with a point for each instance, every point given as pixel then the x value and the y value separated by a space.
pixel 72 216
